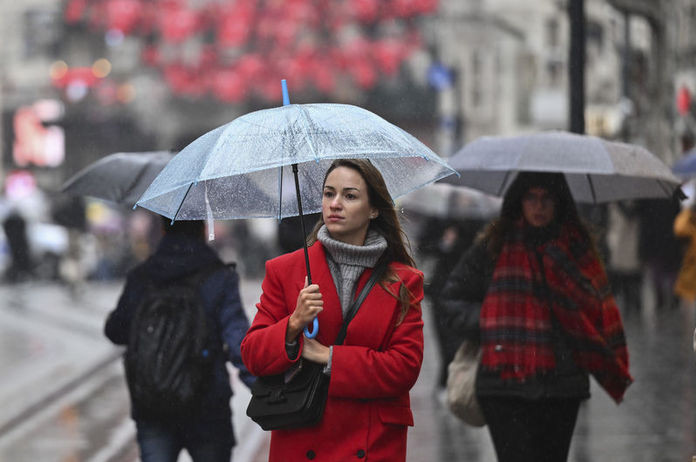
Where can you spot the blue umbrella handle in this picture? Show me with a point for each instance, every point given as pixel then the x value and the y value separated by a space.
pixel 315 329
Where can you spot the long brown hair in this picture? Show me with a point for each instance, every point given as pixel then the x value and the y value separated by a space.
pixel 386 223
pixel 511 211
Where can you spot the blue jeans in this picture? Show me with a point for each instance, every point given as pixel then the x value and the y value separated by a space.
pixel 162 442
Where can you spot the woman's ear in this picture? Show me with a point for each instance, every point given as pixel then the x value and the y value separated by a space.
pixel 374 213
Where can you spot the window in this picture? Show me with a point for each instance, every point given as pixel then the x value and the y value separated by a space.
pixel 552 33
pixel 41 34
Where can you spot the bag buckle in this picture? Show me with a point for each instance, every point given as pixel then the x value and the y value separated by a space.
pixel 277 396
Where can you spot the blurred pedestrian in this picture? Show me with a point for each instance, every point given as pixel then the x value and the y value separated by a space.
pixel 20 267
pixel 368 411
pixel 183 259
pixel 659 249
pixel 290 231
pixel 623 265
pixel 456 237
pixel 533 292
pixel 685 228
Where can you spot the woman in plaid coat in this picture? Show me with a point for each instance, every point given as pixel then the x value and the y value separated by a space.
pixel 532 290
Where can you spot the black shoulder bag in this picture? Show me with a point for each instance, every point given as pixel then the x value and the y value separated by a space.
pixel 297 397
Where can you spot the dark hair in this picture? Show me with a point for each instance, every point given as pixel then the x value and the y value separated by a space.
pixel 511 211
pixel 386 223
pixel 191 228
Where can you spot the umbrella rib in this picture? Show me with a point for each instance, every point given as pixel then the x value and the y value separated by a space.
pixel 592 189
pixel 178 209
pixel 504 182
pixel 664 189
pixel 134 183
pixel 308 121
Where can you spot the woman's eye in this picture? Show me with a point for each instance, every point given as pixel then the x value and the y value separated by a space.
pixel 350 196
pixel 328 194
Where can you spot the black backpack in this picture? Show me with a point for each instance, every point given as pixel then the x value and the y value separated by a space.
pixel 168 360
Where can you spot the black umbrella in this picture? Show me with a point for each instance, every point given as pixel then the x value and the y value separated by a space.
pixel 121 177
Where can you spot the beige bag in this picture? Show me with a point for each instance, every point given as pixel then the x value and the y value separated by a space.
pixel 461 385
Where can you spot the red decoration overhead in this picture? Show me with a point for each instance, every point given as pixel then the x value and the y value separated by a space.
pixel 177 23
pixel 75 11
pixel 236 49
pixel 683 101
pixel 123 15
pixel 228 86
pixel 76 75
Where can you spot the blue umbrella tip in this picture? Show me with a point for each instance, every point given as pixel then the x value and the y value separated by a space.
pixel 286 96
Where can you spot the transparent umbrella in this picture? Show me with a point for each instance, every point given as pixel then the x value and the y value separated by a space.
pixel 238 170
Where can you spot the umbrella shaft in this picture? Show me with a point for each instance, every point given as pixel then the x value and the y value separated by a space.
pixel 302 223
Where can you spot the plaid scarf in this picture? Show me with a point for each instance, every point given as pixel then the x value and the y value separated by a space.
pixel 563 274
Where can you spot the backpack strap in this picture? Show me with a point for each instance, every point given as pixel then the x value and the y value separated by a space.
pixel 376 275
pixel 197 279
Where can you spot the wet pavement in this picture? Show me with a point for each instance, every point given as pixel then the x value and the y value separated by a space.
pixel 63 397
pixel 655 422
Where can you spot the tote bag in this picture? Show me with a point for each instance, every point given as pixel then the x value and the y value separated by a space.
pixel 461 384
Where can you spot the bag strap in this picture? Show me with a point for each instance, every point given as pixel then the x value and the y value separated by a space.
pixel 376 275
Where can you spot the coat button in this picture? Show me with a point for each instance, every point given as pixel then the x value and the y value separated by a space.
pixel 311 455
pixel 360 454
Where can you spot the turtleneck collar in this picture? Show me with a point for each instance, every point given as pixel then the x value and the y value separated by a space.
pixel 365 255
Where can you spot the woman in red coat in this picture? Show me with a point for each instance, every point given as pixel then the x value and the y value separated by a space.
pixel 368 410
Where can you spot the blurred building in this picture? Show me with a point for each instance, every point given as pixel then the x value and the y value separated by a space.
pixel 129 75
pixel 684 83
pixel 61 107
pixel 126 75
pixel 510 59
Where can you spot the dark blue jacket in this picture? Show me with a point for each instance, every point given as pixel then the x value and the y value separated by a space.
pixel 178 256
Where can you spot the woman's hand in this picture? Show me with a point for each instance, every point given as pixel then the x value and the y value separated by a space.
pixel 315 351
pixel 309 305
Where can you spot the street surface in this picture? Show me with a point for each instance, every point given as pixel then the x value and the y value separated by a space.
pixel 63 397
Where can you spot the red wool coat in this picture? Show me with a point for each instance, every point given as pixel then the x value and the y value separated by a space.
pixel 368 408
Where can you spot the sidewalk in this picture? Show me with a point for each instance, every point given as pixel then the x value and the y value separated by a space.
pixel 54 355
pixel 49 343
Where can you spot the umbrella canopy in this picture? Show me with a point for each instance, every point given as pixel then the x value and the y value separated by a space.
pixel 596 170
pixel 440 200
pixel 241 169
pixel 121 177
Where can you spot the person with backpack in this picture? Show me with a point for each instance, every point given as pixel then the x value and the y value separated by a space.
pixel 181 319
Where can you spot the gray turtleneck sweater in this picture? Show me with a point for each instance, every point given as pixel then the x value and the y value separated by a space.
pixel 347 262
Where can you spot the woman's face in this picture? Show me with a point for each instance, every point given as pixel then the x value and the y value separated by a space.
pixel 345 206
pixel 538 207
